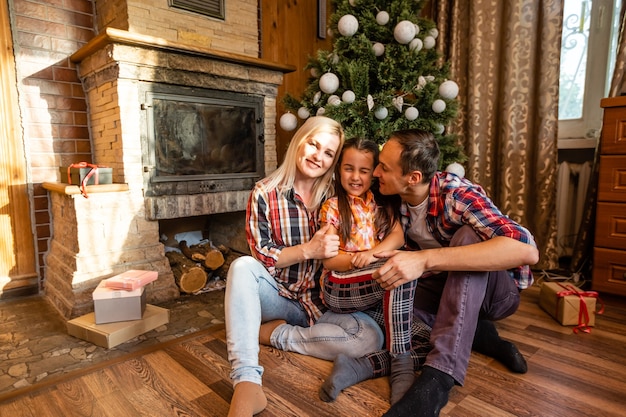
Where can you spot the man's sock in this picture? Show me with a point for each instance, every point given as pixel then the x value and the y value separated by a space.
pixel 426 397
pixel 488 342
pixel 346 372
pixel 402 376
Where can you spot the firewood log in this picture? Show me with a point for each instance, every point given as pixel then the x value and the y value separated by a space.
pixel 189 276
pixel 213 259
pixel 194 253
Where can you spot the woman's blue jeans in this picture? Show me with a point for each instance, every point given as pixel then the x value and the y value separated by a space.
pixel 252 298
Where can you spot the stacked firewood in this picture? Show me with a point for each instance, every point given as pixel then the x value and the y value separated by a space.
pixel 194 265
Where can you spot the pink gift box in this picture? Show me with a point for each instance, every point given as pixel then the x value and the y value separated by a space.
pixel 131 280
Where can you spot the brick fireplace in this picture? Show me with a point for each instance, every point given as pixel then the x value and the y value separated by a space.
pixel 117 227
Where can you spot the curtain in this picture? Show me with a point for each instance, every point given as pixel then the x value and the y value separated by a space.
pixel 505 57
pixel 618 81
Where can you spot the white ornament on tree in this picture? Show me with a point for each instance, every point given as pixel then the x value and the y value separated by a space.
pixel 352 2
pixel 316 97
pixel 411 113
pixel 439 106
pixel 348 96
pixel 378 48
pixel 448 89
pixel 381 113
pixel 429 42
pixel 320 111
pixel 404 32
pixel 329 83
pixel 417 29
pixel 334 100
pixel 314 72
pixel 439 128
pixel 370 102
pixel 303 113
pixel 433 32
pixel 382 18
pixel 288 122
pixel 348 25
pixel 456 168
pixel 416 45
pixel 398 102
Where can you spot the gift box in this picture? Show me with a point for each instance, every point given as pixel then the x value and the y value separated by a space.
pixel 112 334
pixel 112 305
pixel 568 304
pixel 131 280
pixel 76 175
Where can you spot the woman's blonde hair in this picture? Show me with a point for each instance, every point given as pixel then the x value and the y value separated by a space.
pixel 284 176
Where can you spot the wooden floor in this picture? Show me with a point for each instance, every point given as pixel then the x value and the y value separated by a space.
pixel 568 375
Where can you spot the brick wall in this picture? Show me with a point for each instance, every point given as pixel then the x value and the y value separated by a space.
pixel 51 97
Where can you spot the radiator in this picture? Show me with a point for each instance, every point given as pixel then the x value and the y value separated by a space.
pixel 571 192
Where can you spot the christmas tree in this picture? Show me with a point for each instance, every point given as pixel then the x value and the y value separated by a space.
pixel 383 74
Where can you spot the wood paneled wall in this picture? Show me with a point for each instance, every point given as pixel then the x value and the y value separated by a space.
pixel 18 271
pixel 289 36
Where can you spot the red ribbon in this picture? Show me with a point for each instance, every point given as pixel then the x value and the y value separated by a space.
pixel 583 313
pixel 93 171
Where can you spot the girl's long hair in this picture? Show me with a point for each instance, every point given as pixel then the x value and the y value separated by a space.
pixel 388 212
pixel 284 176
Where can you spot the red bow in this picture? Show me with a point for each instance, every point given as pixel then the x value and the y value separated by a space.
pixel 583 313
pixel 93 171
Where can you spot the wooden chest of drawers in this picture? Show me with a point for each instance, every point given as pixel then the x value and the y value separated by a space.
pixel 609 253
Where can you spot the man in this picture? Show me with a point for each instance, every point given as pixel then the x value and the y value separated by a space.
pixel 471 261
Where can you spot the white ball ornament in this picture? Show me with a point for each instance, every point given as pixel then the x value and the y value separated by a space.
pixel 378 48
pixel 429 42
pixel 448 89
pixel 288 122
pixel 381 113
pixel 411 113
pixel 303 113
pixel 417 29
pixel 320 111
pixel 348 96
pixel 456 168
pixel 439 128
pixel 416 45
pixel 352 2
pixel 314 72
pixel 334 100
pixel 329 83
pixel 348 25
pixel 404 32
pixel 433 32
pixel 382 18
pixel 439 106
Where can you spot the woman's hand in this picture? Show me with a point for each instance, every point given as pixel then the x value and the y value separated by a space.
pixel 322 245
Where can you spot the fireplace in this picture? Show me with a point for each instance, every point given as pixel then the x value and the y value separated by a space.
pixel 197 140
pixel 187 131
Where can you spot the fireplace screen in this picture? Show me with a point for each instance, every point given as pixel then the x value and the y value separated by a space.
pixel 201 140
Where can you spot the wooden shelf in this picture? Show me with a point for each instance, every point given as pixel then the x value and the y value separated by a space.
pixel 70 189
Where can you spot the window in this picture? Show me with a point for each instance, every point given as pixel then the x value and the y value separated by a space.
pixel 589 39
pixel 212 8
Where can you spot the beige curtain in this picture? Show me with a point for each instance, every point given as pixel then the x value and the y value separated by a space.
pixel 618 83
pixel 505 56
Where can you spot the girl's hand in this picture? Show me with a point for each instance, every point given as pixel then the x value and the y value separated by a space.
pixel 362 259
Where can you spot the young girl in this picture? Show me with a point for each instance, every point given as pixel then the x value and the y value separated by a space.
pixel 273 297
pixel 367 223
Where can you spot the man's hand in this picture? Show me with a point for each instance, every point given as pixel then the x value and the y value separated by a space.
pixel 402 267
pixel 321 245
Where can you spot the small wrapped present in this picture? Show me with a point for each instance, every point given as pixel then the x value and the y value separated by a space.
pixel 131 280
pixel 570 306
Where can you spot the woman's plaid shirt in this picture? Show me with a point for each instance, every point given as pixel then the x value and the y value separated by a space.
pixel 276 220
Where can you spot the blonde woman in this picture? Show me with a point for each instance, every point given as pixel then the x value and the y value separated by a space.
pixel 273 297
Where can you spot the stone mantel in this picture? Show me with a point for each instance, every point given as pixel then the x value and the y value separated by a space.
pixel 117 36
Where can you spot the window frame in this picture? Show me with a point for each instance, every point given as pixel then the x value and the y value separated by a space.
pixel 585 132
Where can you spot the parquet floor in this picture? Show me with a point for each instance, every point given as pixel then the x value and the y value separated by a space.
pixel 569 375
